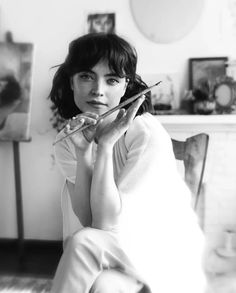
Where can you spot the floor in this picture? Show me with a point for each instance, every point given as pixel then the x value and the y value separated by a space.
pixel 34 258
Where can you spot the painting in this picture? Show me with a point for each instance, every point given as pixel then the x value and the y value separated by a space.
pixel 15 88
pixel 209 70
pixel 101 22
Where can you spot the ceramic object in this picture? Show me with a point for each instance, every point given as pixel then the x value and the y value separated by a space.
pixel 204 107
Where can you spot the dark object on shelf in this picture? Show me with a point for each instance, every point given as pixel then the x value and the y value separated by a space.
pixel 200 94
pixel 186 104
pixel 170 112
pixel 162 106
pixel 204 107
pixel 203 102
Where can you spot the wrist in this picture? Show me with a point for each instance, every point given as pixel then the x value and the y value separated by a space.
pixel 104 147
pixel 84 152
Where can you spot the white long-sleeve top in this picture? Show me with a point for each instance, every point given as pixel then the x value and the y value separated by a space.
pixel 158 229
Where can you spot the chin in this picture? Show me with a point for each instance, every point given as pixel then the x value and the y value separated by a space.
pixel 96 110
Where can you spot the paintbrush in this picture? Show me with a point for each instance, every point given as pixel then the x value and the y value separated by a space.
pixel 104 115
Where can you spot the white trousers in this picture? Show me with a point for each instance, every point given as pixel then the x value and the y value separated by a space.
pixel 89 264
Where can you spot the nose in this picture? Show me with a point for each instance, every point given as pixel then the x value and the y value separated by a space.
pixel 98 88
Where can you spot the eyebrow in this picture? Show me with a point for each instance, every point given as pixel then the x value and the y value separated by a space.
pixel 107 75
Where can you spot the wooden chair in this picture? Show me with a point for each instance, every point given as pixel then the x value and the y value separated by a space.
pixel 193 153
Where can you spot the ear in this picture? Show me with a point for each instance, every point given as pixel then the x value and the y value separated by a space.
pixel 71 84
pixel 126 83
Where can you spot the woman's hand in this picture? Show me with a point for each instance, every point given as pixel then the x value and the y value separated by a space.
pixel 82 139
pixel 109 134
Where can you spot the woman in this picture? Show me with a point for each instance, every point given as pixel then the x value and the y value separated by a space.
pixel 131 228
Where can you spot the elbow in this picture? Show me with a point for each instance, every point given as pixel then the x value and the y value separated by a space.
pixel 86 222
pixel 105 226
pixel 85 219
pixel 105 222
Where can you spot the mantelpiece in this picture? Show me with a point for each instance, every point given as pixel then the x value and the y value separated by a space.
pixel 199 123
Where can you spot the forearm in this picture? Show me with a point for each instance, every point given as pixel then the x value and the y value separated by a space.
pixel 104 196
pixel 81 191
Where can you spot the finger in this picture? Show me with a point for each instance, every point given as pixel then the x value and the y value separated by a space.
pixel 90 118
pixel 91 114
pixel 133 109
pixel 76 122
pixel 90 132
pixel 87 136
pixel 120 114
pixel 81 120
pixel 67 128
pixel 136 104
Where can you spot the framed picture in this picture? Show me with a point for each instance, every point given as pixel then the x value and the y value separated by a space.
pixel 209 69
pixel 225 95
pixel 15 89
pixel 101 22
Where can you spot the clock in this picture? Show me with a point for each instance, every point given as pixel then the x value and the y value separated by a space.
pixel 224 94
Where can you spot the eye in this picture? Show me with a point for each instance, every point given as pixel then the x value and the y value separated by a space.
pixel 85 76
pixel 113 81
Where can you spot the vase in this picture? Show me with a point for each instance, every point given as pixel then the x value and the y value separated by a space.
pixel 204 107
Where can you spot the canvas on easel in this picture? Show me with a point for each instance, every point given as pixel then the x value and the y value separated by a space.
pixel 15 88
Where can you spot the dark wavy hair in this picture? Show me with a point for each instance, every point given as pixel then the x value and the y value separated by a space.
pixel 84 53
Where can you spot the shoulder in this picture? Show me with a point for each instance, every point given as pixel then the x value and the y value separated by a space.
pixel 64 148
pixel 65 157
pixel 146 129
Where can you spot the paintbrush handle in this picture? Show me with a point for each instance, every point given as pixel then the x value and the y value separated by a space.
pixel 121 105
pixel 128 101
pixel 69 134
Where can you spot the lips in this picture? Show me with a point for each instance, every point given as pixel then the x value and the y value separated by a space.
pixel 96 103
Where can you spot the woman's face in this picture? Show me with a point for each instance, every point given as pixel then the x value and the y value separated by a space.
pixel 102 23
pixel 98 90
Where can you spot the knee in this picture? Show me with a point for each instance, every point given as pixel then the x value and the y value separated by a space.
pixel 84 237
pixel 105 284
pixel 112 281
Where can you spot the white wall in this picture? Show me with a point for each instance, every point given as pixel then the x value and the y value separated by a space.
pixel 50 25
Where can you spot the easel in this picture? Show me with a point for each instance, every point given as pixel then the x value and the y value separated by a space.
pixel 18 187
pixel 19 201
pixel 19 205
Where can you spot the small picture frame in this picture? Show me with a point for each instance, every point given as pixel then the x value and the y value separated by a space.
pixel 101 22
pixel 211 69
pixel 225 95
